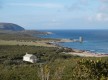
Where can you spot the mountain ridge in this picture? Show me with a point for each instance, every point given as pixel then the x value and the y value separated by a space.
pixel 10 26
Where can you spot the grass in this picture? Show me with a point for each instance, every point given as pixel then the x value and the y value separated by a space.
pixel 29 43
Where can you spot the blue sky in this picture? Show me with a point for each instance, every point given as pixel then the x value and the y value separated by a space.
pixel 55 14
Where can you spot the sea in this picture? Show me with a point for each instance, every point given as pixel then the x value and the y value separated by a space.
pixel 94 40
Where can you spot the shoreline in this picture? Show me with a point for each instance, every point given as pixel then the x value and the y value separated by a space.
pixel 77 52
pixel 87 54
pixel 84 53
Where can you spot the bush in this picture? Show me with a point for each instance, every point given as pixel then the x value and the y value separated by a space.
pixel 91 69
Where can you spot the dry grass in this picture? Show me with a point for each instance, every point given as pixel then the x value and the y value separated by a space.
pixel 29 43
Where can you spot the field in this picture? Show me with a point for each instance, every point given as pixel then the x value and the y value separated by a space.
pixel 24 42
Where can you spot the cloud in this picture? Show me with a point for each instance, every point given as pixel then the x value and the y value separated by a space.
pixel 104 1
pixel 103 7
pixel 102 17
pixel 41 5
pixel 73 7
pixel 78 5
pixel 98 17
pixel 103 11
pixel 84 2
pixel 101 14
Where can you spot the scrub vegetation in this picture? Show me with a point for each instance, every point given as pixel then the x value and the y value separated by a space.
pixel 53 63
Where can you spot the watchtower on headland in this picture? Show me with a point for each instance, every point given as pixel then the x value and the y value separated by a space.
pixel 80 39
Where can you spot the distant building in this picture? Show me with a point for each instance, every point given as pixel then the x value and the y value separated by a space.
pixel 30 58
pixel 80 39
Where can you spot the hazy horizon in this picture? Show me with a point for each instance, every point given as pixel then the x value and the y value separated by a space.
pixel 54 14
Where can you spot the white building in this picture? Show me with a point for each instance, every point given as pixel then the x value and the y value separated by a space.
pixel 30 58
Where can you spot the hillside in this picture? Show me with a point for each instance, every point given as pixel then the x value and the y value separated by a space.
pixel 11 31
pixel 11 27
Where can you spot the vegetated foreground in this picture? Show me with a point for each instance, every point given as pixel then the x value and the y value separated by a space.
pixel 52 65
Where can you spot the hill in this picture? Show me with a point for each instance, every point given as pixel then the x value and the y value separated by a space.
pixel 11 31
pixel 11 27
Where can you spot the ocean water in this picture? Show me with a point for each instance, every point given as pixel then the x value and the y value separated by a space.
pixel 94 40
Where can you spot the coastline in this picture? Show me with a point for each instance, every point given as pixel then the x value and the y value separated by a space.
pixel 76 52
pixel 84 53
pixel 87 54
pixel 95 41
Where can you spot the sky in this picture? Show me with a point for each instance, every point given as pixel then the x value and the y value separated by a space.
pixel 55 14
